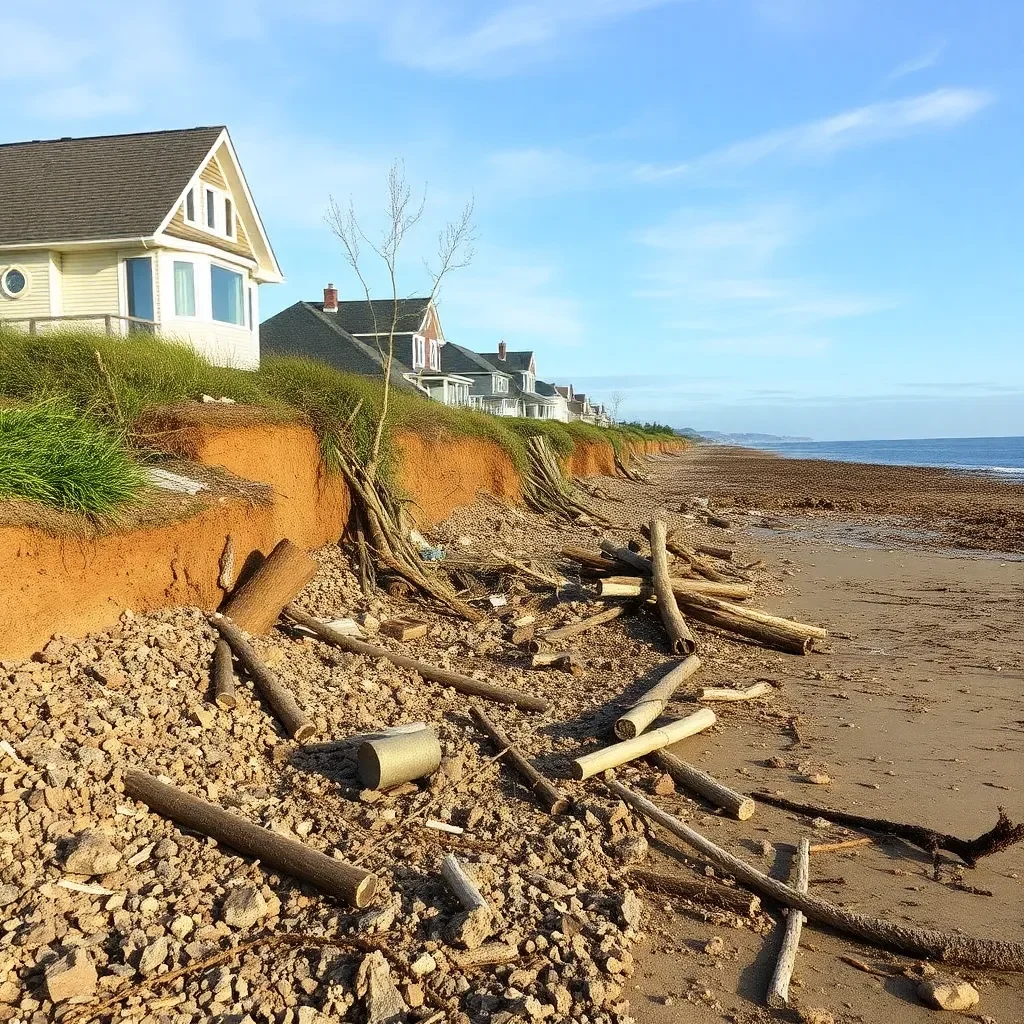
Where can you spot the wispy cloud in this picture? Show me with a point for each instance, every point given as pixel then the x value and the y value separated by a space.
pixel 818 140
pixel 922 62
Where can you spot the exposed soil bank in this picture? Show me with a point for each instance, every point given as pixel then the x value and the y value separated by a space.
pixel 76 585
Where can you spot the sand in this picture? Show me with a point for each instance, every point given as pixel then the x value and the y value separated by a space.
pixel 918 717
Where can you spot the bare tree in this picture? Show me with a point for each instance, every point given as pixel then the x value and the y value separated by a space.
pixel 455 250
pixel 615 403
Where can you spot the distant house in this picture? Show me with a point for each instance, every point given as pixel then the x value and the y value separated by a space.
pixel 581 409
pixel 522 367
pixel 492 390
pixel 558 409
pixel 354 336
pixel 155 232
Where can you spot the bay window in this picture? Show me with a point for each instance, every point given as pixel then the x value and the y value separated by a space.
pixel 184 289
pixel 226 291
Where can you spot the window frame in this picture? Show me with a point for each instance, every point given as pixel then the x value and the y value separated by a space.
pixel 194 315
pixel 190 200
pixel 419 352
pixel 25 276
pixel 215 265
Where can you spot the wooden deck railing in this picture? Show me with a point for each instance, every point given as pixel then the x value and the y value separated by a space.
pixel 126 323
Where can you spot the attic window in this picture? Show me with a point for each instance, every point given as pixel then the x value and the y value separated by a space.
pixel 211 209
pixel 190 206
pixel 229 218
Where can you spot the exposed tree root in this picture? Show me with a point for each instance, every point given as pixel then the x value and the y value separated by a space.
pixel 1003 834
pixel 545 488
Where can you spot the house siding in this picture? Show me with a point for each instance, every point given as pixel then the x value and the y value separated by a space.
pixel 91 282
pixel 35 301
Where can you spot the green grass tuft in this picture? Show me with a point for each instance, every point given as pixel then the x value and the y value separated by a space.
pixel 51 454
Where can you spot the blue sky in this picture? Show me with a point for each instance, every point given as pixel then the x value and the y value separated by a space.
pixel 790 216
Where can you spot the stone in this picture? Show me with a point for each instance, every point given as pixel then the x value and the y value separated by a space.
pixel 631 850
pixel 944 992
pixel 181 926
pixel 375 986
pixel 243 907
pixel 91 853
pixel 8 894
pixel 815 1015
pixel 715 947
pixel 663 785
pixel 471 929
pixel 630 909
pixel 71 977
pixel 153 956
pixel 415 995
pixel 423 965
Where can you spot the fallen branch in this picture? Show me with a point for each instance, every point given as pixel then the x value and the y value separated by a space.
pixel 692 778
pixel 628 557
pixel 738 901
pixel 951 947
pixel 554 800
pixel 679 635
pixel 726 693
pixel 563 632
pixel 712 603
pixel 632 586
pixel 845 844
pixel 1002 835
pixel 654 701
pixel 257 603
pixel 223 672
pixel 445 677
pixel 525 570
pixel 778 990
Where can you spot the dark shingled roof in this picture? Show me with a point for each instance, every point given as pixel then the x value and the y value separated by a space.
pixel 108 186
pixel 303 330
pixel 542 387
pixel 456 359
pixel 512 361
pixel 356 317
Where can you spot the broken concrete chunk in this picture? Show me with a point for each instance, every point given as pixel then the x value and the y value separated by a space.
pixel 244 907
pixel 384 1003
pixel 471 929
pixel 153 956
pixel 91 853
pixel 944 992
pixel 71 977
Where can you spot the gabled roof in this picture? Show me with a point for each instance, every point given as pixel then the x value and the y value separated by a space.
pixel 304 330
pixel 566 392
pixel 357 317
pixel 456 359
pixel 542 387
pixel 105 187
pixel 515 361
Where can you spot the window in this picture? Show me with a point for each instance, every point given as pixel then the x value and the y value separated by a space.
pixel 501 383
pixel 229 218
pixel 184 289
pixel 190 206
pixel 211 209
pixel 226 294
pixel 419 351
pixel 14 282
pixel 138 274
pixel 435 355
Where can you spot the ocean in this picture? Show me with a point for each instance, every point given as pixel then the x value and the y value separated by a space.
pixel 993 456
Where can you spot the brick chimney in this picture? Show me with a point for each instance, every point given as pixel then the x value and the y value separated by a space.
pixel 330 299
pixel 502 350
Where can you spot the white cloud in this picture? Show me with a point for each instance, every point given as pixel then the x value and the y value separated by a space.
pixel 926 59
pixel 817 140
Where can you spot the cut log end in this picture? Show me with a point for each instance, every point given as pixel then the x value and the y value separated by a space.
pixel 624 729
pixel 746 809
pixel 364 891
pixel 304 732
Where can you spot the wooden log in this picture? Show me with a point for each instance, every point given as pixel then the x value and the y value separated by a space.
pixel 564 660
pixel 627 557
pixel 563 632
pixel 553 799
pixel 345 882
pixel 392 760
pixel 634 586
pixel 256 605
pixel 679 635
pixel 589 558
pixel 719 521
pixel 725 554
pixel 755 615
pixel 950 947
pixel 274 692
pixel 445 677
pixel 790 641
pixel 690 777
pixel 223 672
pixel 844 844
pixel 403 627
pixel 490 954
pixel 738 901
pixel 466 892
pixel 619 753
pixel 726 693
pixel 778 990
pixel 654 701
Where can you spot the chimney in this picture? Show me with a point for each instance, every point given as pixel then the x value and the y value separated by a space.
pixel 502 350
pixel 330 299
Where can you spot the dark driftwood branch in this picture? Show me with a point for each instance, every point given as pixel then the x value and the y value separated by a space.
pixel 563 632
pixel 704 890
pixel 348 883
pixel 951 947
pixel 1003 834
pixel 679 635
pixel 445 677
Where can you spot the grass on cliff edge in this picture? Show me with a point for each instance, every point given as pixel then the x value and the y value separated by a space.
pixel 52 454
pixel 144 372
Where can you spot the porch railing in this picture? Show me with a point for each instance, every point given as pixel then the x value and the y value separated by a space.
pixel 126 324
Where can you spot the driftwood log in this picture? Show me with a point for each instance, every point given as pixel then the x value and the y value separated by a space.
pixel 692 778
pixel 628 750
pixel 654 701
pixel 275 693
pixel 739 901
pixel 223 672
pixel 564 632
pixel 951 947
pixel 725 554
pixel 631 586
pixel 553 799
pixel 345 882
pixel 727 693
pixel 257 603
pixel 778 989
pixel 715 604
pixel 679 635
pixel 445 677
pixel 590 559
pixel 388 761
pixel 627 556
pixel 1002 835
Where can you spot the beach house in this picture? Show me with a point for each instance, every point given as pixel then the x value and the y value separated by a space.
pixel 149 232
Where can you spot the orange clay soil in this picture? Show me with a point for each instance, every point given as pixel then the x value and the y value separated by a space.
pixel 590 459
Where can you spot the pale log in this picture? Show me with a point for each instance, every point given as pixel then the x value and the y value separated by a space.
pixel 554 800
pixel 223 673
pixel 654 701
pixel 631 586
pixel 388 761
pixel 256 605
pixel 347 883
pixel 490 954
pixel 274 692
pixel 778 990
pixel 692 778
pixel 718 605
pixel 627 557
pixel 739 901
pixel 563 632
pixel 462 885
pixel 726 693
pixel 619 753
pixel 725 554
pixel 950 947
pixel 679 635
pixel 719 521
pixel 445 677
pixel 779 637
pixel 843 844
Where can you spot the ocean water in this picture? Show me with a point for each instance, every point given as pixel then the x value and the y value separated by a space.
pixel 994 456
